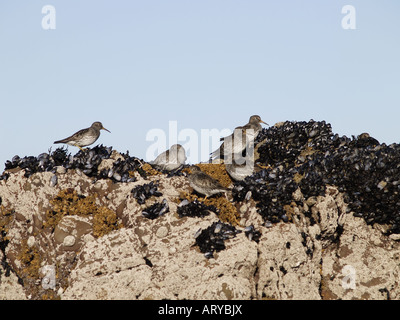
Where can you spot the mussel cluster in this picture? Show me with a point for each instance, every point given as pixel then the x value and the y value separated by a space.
pixel 194 209
pixel 122 169
pixel 307 155
pixel 252 234
pixel 89 160
pixel 86 162
pixel 174 173
pixel 286 142
pixel 41 163
pixel 143 192
pixel 212 238
pixel 156 210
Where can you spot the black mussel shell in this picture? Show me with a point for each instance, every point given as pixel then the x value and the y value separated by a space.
pixel 212 238
pixel 143 192
pixel 194 209
pixel 156 210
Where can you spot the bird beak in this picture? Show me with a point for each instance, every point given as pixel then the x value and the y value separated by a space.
pixel 264 122
pixel 106 130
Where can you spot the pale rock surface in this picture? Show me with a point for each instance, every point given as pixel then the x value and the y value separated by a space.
pixel 334 255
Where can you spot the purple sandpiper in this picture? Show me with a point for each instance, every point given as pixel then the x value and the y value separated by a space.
pixel 203 183
pixel 241 138
pixel 171 159
pixel 84 137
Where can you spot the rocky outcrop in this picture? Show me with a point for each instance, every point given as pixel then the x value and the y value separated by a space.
pixel 80 236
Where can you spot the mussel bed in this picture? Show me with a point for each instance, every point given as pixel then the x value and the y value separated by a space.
pixel 143 192
pixel 294 155
pixel 156 210
pixel 86 162
pixel 212 238
pixel 252 234
pixel 194 209
pixel 307 155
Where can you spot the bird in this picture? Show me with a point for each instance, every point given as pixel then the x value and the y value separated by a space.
pixel 239 170
pixel 241 138
pixel 203 183
pixel 84 137
pixel 171 159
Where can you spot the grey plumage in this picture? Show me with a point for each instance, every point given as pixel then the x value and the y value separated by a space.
pixel 203 183
pixel 239 171
pixel 241 138
pixel 84 137
pixel 170 159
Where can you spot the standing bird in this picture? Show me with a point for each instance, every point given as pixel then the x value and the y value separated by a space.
pixel 171 159
pixel 239 171
pixel 203 183
pixel 239 139
pixel 84 137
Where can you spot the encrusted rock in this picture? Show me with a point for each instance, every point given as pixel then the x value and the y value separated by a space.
pixel 162 232
pixel 69 241
pixel 317 220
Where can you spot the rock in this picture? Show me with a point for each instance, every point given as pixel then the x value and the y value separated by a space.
pixel 10 288
pixel 69 241
pixel 31 241
pixel 162 232
pixel 70 231
pixel 303 231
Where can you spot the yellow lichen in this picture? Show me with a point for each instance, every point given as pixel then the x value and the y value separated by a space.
pixel 30 259
pixel 308 151
pixel 50 295
pixel 290 210
pixel 217 171
pixel 298 177
pixel 264 167
pixel 6 216
pixel 150 170
pixel 68 202
pixel 105 221
pixel 227 211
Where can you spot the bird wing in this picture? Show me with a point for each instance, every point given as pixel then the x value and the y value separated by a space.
pixel 73 137
pixel 161 159
pixel 241 128
pixel 209 182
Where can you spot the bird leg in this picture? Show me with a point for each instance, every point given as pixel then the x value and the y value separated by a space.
pixel 83 150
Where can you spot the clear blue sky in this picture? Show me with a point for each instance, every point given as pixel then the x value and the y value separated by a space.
pixel 136 65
